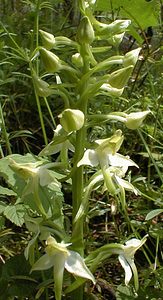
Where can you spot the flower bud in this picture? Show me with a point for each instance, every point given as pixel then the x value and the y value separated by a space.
pixel 72 119
pixel 135 120
pixel 41 87
pixel 131 57
pixel 64 41
pixel 116 39
pixel 77 60
pixel 119 78
pixel 111 91
pixel 48 39
pixel 116 27
pixel 85 32
pixel 50 60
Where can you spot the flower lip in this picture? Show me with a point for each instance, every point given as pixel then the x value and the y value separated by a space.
pixel 133 245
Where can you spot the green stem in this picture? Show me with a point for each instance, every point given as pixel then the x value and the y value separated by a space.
pixel 84 205
pixel 37 31
pixel 5 134
pixel 77 192
pixel 77 197
pixel 38 200
pixel 150 156
pixel 41 119
pixel 50 112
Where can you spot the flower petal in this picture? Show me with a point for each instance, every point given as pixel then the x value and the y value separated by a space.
pixel 59 265
pixel 119 160
pixel 75 264
pixel 43 263
pixel 112 90
pixel 126 185
pixel 90 158
pixel 132 246
pixel 126 267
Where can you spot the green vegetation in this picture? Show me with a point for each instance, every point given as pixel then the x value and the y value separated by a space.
pixel 81 120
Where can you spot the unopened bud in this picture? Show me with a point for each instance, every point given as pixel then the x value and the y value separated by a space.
pixel 50 60
pixel 131 57
pixel 135 120
pixel 77 60
pixel 85 32
pixel 116 39
pixel 72 119
pixel 48 39
pixel 111 90
pixel 119 78
pixel 42 87
pixel 64 41
pixel 116 27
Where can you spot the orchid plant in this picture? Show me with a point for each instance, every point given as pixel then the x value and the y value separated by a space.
pixel 78 81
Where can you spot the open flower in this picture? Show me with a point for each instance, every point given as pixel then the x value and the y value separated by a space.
pixel 34 173
pixel 58 256
pixel 126 259
pixel 111 162
pixel 60 142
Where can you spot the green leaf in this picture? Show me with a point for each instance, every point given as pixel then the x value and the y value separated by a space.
pixel 31 245
pixel 49 188
pixel 3 285
pixel 124 293
pixel 2 207
pixel 156 231
pixel 13 180
pixel 6 191
pixel 43 263
pixel 15 279
pixel 142 12
pixel 153 214
pixel 15 213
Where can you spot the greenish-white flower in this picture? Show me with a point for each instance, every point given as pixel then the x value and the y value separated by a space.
pixel 126 259
pixel 113 165
pixel 34 173
pixel 60 258
pixel 60 142
pixel 134 120
pixel 112 91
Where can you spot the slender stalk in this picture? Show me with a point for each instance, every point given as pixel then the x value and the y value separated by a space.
pixel 4 131
pixel 50 112
pixel 151 157
pixel 77 194
pixel 37 31
pixel 41 119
